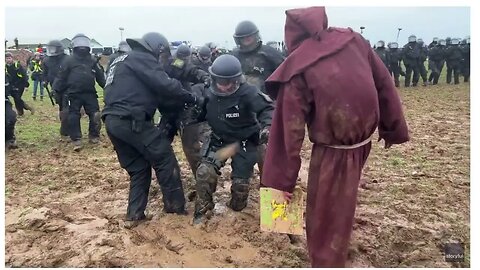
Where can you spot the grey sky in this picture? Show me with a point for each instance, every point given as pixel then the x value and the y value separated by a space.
pixel 203 24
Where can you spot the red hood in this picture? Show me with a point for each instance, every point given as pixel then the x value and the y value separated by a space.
pixel 303 23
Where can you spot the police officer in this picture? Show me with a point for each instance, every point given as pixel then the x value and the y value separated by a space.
pixel 382 52
pixel 136 86
pixel 76 78
pixel 448 41
pixel 433 43
pixel 18 79
pixel 421 62
pixel 465 48
pixel 258 61
pixel 453 55
pixel 203 58
pixel 436 60
pixel 123 48
pixel 411 56
pixel 51 66
pixel 394 59
pixel 10 117
pixel 238 112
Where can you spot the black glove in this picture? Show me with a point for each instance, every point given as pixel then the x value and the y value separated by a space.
pixel 57 97
pixel 207 81
pixel 263 135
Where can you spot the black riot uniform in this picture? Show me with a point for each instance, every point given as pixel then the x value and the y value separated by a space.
pixel 76 78
pixel 421 63
pixel 10 117
pixel 203 59
pixel 394 58
pixel 136 86
pixel 123 48
pixel 453 55
pixel 465 64
pixel 18 81
pixel 436 60
pixel 382 53
pixel 258 61
pixel 238 113
pixel 411 56
pixel 51 67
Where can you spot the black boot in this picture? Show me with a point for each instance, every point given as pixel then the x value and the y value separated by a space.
pixel 239 191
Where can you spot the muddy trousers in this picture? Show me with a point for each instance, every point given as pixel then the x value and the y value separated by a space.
pixel 408 74
pixel 395 72
pixel 88 101
pixel 333 182
pixel 140 150
pixel 209 170
pixel 453 67
pixel 193 136
pixel 435 70
pixel 422 71
pixel 10 120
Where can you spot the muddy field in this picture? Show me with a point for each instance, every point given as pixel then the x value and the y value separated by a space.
pixel 65 209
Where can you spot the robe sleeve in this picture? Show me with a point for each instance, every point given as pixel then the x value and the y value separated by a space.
pixel 282 160
pixel 392 126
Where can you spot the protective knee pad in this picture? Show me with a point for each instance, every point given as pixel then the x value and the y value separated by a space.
pixel 239 190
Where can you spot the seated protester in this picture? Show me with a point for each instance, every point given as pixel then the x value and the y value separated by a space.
pixel 237 112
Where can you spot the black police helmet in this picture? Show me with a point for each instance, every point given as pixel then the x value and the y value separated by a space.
pixel 54 47
pixel 243 30
pixel 153 42
pixel 227 75
pixel 183 51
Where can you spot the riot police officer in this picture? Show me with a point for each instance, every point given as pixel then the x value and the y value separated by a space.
pixel 203 59
pixel 394 59
pixel 123 48
pixel 136 86
pixel 465 64
pixel 258 60
pixel 436 60
pixel 453 55
pixel 433 43
pixel 18 79
pixel 411 56
pixel 76 78
pixel 421 62
pixel 51 66
pixel 10 117
pixel 237 112
pixel 382 53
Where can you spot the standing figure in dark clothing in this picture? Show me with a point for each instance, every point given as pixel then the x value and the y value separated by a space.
pixel 453 55
pixel 433 43
pixel 411 56
pixel 395 58
pixel 77 77
pixel 436 60
pixel 421 62
pixel 136 86
pixel 203 59
pixel 51 66
pixel 382 52
pixel 18 81
pixel 465 48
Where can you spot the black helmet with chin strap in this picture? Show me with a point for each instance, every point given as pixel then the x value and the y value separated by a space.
pixel 227 75
pixel 152 42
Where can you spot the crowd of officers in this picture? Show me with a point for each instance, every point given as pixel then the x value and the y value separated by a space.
pixel 452 51
pixel 210 101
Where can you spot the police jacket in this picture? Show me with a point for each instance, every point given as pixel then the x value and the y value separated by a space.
pixel 78 74
pixel 259 64
pixel 239 116
pixel 411 53
pixel 51 67
pixel 436 54
pixel 137 83
pixel 453 53
pixel 202 65
pixel 383 54
pixel 394 57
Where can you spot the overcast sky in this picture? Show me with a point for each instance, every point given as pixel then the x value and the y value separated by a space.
pixel 203 24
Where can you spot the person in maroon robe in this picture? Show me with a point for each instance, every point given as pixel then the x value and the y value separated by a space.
pixel 333 82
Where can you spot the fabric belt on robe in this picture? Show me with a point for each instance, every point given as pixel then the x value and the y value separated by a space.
pixel 353 146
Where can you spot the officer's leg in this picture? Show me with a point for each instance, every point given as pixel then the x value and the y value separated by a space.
pixel 423 73
pixel 158 151
pixel 134 163
pixel 74 118
pixel 10 120
pixel 416 74
pixel 242 171
pixel 396 76
pixel 193 137
pixel 63 114
pixel 92 109
pixel 408 75
pixel 456 72
pixel 466 77
pixel 449 72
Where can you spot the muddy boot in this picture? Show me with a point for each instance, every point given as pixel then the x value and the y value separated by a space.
pixel 239 191
pixel 205 186
pixel 77 145
pixel 11 144
pixel 30 108
pixel 132 223
pixel 94 140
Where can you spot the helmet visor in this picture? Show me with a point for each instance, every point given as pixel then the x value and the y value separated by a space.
pixel 81 42
pixel 394 45
pixel 53 50
pixel 224 86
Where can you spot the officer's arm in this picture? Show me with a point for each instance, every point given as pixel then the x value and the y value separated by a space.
pixel 45 70
pixel 60 83
pixel 262 106
pixel 196 74
pixel 152 74
pixel 99 75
